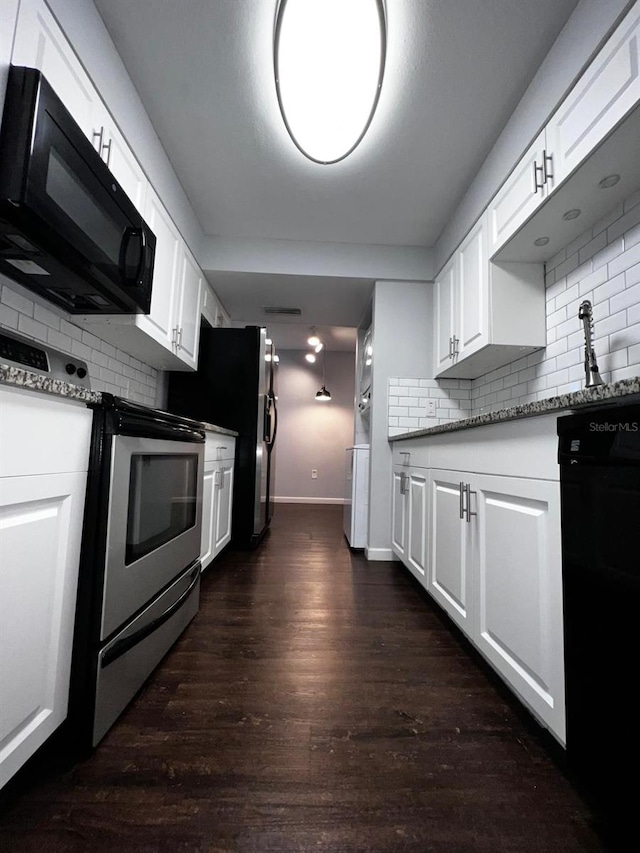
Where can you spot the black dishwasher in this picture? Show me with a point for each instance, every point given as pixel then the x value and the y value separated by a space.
pixel 599 456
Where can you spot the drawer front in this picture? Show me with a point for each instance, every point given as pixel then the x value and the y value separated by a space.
pixel 218 447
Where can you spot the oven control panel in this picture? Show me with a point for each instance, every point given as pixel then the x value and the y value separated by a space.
pixel 17 351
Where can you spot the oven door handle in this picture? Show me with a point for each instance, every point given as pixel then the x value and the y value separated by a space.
pixel 126 643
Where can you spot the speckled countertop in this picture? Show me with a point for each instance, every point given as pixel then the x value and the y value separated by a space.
pixel 587 397
pixel 59 388
pixel 221 430
pixel 36 382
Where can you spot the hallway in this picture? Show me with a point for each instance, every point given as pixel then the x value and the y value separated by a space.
pixel 316 703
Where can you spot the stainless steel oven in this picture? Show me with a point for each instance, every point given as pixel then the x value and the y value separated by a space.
pixel 140 565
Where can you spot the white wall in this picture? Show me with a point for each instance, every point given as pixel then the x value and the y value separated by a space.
pixel 402 345
pixel 311 434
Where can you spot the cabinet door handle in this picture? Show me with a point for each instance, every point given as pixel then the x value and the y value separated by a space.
pixel 450 348
pixel 456 351
pixel 537 186
pixel 98 134
pixel 468 508
pixel 217 481
pixel 403 483
pixel 547 169
pixel 178 337
pixel 462 494
pixel 407 456
pixel 106 147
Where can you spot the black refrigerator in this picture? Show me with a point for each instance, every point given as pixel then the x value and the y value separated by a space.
pixel 234 387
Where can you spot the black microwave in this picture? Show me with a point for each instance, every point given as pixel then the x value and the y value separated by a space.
pixel 68 231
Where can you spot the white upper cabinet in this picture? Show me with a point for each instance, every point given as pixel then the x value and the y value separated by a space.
pixel 486 314
pixel 166 338
pixel 189 306
pixel 160 322
pixel 114 151
pixel 40 43
pixel 602 98
pixel 521 194
pixel 444 330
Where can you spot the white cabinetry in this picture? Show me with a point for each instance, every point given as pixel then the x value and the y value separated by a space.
pixel 356 506
pixel 486 314
pixel 217 496
pixel 484 539
pixel 40 43
pixel 410 513
pixel 168 336
pixel 451 545
pixel 605 93
pixel 44 453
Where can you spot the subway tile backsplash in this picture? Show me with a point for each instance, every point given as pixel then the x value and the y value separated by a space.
pixel 110 369
pixel 602 265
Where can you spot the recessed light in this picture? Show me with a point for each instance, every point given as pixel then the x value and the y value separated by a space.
pixel 609 181
pixel 541 241
pixel 572 214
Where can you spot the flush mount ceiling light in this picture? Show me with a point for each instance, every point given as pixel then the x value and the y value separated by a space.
pixel 541 241
pixel 329 58
pixel 572 214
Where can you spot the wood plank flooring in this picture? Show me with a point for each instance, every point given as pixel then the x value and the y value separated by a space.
pixel 316 703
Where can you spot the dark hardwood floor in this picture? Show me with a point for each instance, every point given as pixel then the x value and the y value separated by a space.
pixel 316 703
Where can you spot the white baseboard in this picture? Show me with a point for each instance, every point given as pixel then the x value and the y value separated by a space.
pixel 286 500
pixel 379 554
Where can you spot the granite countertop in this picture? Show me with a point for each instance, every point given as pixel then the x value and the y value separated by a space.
pixel 36 382
pixel 59 388
pixel 585 398
pixel 221 430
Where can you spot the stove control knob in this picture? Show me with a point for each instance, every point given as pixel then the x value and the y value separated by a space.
pixel 81 372
pixel 70 368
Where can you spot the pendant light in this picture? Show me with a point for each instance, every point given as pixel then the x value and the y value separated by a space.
pixel 329 58
pixel 323 396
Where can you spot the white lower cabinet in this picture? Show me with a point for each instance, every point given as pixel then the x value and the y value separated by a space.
pixel 450 549
pixel 42 490
pixel 486 545
pixel 217 496
pixel 517 573
pixel 410 515
pixel 495 568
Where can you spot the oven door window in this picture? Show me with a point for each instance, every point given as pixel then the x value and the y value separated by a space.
pixel 163 490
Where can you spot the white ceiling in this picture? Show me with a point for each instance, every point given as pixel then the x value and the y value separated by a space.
pixel 203 68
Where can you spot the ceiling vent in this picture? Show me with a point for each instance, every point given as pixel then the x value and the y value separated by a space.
pixel 291 312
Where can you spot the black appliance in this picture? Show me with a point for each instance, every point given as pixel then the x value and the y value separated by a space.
pixel 68 231
pixel 599 455
pixel 139 577
pixel 234 387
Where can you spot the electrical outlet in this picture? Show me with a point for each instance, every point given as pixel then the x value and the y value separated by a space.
pixel 431 408
pixel 314 473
